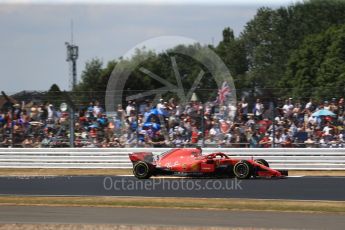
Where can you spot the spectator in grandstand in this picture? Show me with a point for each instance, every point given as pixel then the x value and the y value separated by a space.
pixel 266 141
pixel 288 108
pixel 157 140
pixel 254 140
pixel 27 143
pixel 130 108
pixel 7 142
pixel 97 109
pixel 34 112
pixel 341 109
pixel 310 106
pixel 258 109
pixel 243 109
pixel 51 112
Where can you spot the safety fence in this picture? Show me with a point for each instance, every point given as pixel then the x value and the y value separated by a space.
pixel 116 158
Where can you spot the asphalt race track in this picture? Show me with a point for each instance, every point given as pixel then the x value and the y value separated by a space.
pixel 297 188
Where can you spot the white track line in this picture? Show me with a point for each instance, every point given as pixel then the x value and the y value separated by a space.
pixel 177 177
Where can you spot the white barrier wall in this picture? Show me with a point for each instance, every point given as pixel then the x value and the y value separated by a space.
pixel 279 158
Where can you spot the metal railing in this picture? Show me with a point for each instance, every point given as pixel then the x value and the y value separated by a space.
pixel 115 158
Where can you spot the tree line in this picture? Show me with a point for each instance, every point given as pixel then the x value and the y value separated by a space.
pixel 295 51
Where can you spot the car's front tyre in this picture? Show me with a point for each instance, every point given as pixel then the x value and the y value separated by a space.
pixel 262 162
pixel 243 169
pixel 141 170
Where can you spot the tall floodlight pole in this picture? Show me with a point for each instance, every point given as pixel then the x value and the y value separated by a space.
pixel 72 56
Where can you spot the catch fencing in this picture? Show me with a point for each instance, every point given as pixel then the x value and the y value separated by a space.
pixel 116 158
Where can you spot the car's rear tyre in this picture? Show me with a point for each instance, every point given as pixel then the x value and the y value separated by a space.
pixel 262 162
pixel 141 170
pixel 243 170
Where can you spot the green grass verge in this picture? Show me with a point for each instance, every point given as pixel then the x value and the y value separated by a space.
pixel 62 172
pixel 185 203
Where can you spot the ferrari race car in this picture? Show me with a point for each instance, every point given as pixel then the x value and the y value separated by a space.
pixel 191 162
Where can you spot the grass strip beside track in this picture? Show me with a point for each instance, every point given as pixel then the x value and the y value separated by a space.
pixel 114 172
pixel 112 227
pixel 63 172
pixel 184 203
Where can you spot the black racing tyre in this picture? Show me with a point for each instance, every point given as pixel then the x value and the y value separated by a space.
pixel 262 162
pixel 243 169
pixel 141 170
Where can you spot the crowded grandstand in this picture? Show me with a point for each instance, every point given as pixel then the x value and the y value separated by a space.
pixel 166 123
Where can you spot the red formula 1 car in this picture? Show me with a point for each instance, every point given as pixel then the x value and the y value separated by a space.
pixel 191 162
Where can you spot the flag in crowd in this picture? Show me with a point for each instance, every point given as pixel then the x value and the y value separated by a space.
pixel 223 92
